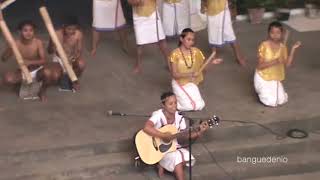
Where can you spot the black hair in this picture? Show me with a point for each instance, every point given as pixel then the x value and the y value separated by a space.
pixel 24 23
pixel 275 24
pixel 184 34
pixel 164 96
pixel 70 21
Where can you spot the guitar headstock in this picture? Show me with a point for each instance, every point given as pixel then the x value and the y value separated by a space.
pixel 214 121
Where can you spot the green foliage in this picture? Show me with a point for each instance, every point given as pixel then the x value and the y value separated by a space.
pixel 282 3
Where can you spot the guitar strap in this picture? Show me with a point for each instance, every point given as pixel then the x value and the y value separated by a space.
pixel 182 157
pixel 162 123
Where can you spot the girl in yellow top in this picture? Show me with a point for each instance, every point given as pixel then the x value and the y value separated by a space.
pixel 186 61
pixel 273 59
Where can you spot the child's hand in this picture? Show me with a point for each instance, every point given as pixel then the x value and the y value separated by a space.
pixel 217 61
pixel 296 45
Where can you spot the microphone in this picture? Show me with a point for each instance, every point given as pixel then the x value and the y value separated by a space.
pixel 182 113
pixel 111 113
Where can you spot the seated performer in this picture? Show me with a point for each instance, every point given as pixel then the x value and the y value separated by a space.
pixel 175 16
pixel 108 16
pixel 186 61
pixel 220 30
pixel 33 54
pixel 71 39
pixel 148 28
pixel 173 161
pixel 273 59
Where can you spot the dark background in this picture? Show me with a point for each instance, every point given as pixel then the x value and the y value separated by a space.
pixel 29 9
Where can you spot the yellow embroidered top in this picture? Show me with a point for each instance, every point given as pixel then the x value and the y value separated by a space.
pixel 172 1
pixel 214 7
pixel 183 65
pixel 276 72
pixel 146 8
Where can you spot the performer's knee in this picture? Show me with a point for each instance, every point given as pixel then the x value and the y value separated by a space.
pixel 47 73
pixel 268 101
pixel 201 105
pixel 56 76
pixel 283 99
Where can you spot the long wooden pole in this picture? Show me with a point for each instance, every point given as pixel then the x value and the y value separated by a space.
pixel 12 43
pixel 6 3
pixel 207 62
pixel 47 20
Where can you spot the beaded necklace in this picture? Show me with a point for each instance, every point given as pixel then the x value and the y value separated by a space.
pixel 184 59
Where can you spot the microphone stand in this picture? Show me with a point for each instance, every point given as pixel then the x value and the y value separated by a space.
pixel 189 141
pixel 111 113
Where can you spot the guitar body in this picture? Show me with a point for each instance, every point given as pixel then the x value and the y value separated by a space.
pixel 151 150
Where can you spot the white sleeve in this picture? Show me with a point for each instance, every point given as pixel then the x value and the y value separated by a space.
pixel 156 119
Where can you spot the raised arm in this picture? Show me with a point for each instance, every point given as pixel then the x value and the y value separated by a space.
pixel 288 62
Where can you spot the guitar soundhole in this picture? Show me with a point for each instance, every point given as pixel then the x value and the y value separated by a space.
pixel 165 147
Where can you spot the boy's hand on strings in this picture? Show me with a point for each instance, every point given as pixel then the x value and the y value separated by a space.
pixel 203 127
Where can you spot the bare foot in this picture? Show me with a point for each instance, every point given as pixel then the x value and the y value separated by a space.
pixel 242 61
pixel 43 98
pixel 160 171
pixel 217 61
pixel 93 52
pixel 76 86
pixel 137 70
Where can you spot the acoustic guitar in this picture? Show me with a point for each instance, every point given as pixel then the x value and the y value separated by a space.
pixel 151 149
